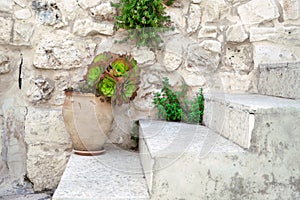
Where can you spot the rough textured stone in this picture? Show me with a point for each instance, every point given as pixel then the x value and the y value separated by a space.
pixel 48 147
pixel 87 27
pixel 192 79
pixel 60 51
pixel 103 11
pixel 6 5
pixel 88 3
pixel 213 10
pixel 194 18
pixel 41 90
pixel 236 33
pixel 23 32
pixel 6 25
pixel 143 56
pixel 280 80
pixel 178 17
pixel 236 82
pixel 21 3
pixel 23 14
pixel 291 9
pixel 238 58
pixel 4 64
pixel 173 53
pixel 211 45
pixel 256 11
pixel 208 32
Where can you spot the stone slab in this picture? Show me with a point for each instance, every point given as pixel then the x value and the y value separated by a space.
pixel 280 80
pixel 117 174
pixel 235 115
pixel 192 162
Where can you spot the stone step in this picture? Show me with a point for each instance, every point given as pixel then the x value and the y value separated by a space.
pixel 183 161
pixel 280 80
pixel 246 118
pixel 117 174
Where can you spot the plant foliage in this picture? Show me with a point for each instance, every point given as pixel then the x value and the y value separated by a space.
pixel 174 106
pixel 143 19
pixel 169 2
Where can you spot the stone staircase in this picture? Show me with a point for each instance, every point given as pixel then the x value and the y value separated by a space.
pixel 248 149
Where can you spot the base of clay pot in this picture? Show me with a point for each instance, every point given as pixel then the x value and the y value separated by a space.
pixel 89 153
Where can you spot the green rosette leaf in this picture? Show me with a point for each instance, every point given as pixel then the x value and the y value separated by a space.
pixel 94 74
pixel 119 67
pixel 130 88
pixel 107 86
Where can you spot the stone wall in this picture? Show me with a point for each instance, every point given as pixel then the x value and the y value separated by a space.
pixel 216 44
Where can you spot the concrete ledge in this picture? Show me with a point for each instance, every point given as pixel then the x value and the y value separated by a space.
pixel 117 174
pixel 235 116
pixel 280 80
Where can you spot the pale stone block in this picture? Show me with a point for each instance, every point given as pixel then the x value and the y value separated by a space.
pixel 4 64
pixel 280 80
pixel 193 79
pixel 177 16
pixel 88 27
pixel 88 3
pixel 194 18
pixel 291 9
pixel 21 3
pixel 208 31
pixel 214 10
pixel 172 61
pixel 23 14
pixel 143 56
pixel 104 11
pixel 48 147
pixel 236 82
pixel 257 11
pixel 211 45
pixel 6 5
pixel 6 25
pixel 23 32
pixel 236 33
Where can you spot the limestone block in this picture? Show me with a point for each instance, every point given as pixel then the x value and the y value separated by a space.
pixel 88 3
pixel 104 11
pixel 87 27
pixel 291 9
pixel 257 11
pixel 6 25
pixel 211 45
pixel 178 17
pixel 60 50
pixel 280 80
pixel 6 5
pixel 48 147
pixel 143 56
pixel 194 18
pixel 23 32
pixel 196 1
pixel 4 64
pixel 236 33
pixel 193 79
pixel 41 90
pixel 200 60
pixel 23 14
pixel 238 58
pixel 21 3
pixel 208 32
pixel 235 82
pixel 268 53
pixel 213 10
pixel 289 36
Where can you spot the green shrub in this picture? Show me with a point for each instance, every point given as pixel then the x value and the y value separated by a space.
pixel 169 2
pixel 143 19
pixel 174 106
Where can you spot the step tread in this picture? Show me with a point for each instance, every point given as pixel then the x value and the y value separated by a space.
pixel 255 102
pixel 170 139
pixel 117 174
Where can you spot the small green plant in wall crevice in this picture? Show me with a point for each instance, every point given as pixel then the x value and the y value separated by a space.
pixel 174 106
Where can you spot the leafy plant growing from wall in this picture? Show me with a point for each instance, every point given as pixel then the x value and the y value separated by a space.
pixel 174 106
pixel 143 19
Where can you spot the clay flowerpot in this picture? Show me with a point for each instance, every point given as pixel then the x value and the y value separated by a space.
pixel 88 120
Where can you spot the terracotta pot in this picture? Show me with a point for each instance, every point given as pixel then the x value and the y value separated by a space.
pixel 88 120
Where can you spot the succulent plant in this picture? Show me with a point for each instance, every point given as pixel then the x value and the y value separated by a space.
pixel 114 76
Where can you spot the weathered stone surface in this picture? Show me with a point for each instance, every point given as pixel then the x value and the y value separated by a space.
pixel 291 9
pixel 235 82
pixel 143 56
pixel 288 36
pixel 236 33
pixel 88 3
pixel 238 58
pixel 256 11
pixel 208 32
pixel 211 45
pixel 6 5
pixel 23 14
pixel 21 3
pixel 41 90
pixel 4 64
pixel 173 53
pixel 60 50
pixel 200 60
pixel 6 25
pixel 177 16
pixel 213 10
pixel 23 32
pixel 193 79
pixel 194 18
pixel 103 11
pixel 48 147
pixel 87 27
pixel 280 80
